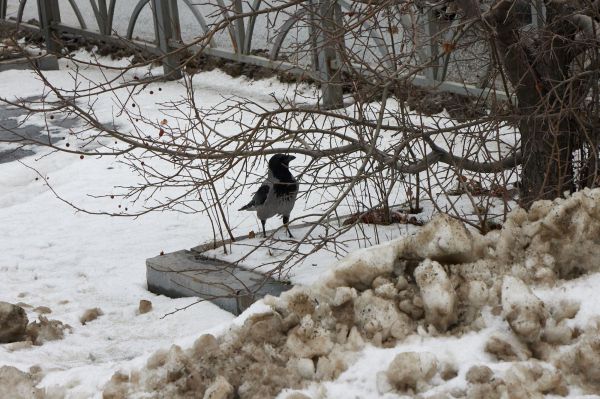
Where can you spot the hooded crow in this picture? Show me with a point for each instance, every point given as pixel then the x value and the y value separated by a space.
pixel 277 194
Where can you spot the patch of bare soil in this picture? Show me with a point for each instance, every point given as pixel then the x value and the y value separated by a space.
pixel 383 217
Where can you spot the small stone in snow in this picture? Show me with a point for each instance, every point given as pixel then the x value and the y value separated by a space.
pixel 13 322
pixel 90 314
pixel 145 306
pixel 42 310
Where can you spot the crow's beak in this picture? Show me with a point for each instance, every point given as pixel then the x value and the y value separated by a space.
pixel 290 158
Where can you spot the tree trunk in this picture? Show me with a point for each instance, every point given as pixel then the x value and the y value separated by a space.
pixel 546 133
pixel 547 169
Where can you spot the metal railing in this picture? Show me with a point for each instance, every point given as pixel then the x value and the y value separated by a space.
pixel 325 16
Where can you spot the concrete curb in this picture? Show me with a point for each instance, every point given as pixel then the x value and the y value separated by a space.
pixel 46 62
pixel 190 274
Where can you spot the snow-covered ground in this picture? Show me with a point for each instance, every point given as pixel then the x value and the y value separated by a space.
pixel 68 261
pixel 55 257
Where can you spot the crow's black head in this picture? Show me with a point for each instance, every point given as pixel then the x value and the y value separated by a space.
pixel 279 164
pixel 279 160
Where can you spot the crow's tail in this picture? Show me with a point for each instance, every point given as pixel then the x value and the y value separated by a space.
pixel 247 207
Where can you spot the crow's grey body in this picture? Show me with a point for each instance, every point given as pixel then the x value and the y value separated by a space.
pixel 277 194
pixel 274 203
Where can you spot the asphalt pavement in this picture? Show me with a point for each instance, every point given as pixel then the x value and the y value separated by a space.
pixel 22 139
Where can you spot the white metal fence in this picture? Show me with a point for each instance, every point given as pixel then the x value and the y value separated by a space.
pixel 162 26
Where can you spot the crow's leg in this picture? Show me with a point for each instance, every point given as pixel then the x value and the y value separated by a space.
pixel 263 222
pixel 286 220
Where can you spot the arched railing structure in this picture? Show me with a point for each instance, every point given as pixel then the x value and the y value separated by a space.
pixel 72 3
pixel 143 3
pixel 417 27
pixel 3 8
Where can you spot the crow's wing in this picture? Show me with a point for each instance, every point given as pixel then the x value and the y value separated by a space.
pixel 259 198
pixel 261 195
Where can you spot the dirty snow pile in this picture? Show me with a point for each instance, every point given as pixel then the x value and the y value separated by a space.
pixel 445 282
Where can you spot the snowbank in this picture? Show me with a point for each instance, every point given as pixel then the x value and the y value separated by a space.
pixel 444 281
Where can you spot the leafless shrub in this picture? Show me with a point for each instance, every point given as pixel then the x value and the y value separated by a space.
pixel 390 145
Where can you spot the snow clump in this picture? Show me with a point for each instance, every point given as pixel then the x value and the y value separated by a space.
pixel 412 371
pixel 439 297
pixel 524 311
pixel 44 330
pixel 446 280
pixel 17 384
